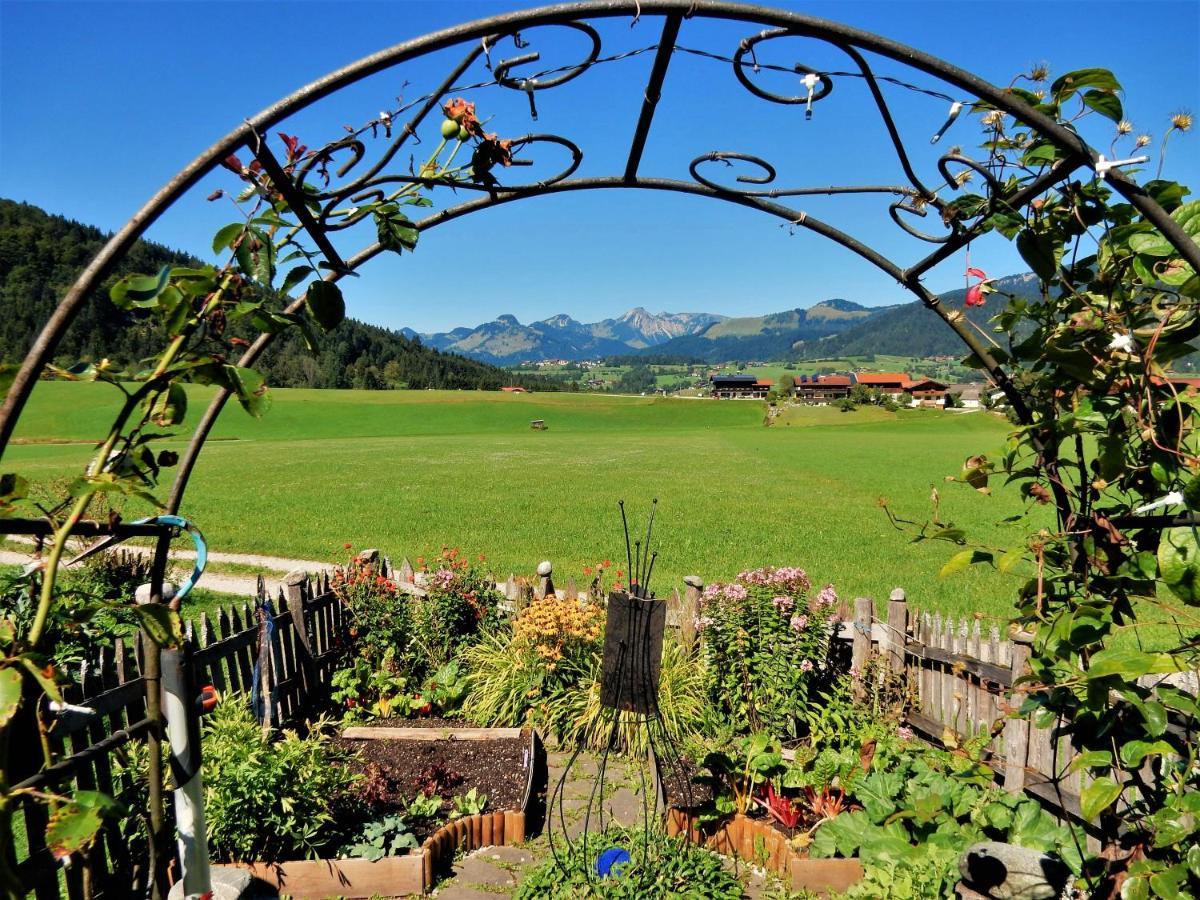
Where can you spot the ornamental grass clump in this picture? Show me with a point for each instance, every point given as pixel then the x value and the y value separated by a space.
pixel 765 646
pixel 515 674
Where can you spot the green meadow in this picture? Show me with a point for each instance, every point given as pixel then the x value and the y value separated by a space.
pixel 409 472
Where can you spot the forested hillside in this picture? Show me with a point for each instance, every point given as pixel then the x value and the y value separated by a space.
pixel 41 255
pixel 912 329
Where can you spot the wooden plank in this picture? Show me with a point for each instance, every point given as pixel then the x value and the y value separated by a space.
pixel 897 631
pixel 1016 731
pixel 318 878
pixel 935 670
pixel 864 611
pixel 973 688
pixel 430 734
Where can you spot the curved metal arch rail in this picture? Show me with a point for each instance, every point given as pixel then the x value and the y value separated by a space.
pixel 482 37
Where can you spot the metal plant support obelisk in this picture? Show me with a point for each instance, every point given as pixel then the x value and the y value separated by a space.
pixel 630 670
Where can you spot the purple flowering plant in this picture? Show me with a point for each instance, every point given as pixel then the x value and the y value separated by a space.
pixel 764 639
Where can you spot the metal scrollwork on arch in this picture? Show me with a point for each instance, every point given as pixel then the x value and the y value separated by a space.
pixel 331 218
pixel 768 175
pixel 747 46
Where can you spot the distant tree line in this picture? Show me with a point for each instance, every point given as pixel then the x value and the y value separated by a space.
pixel 42 254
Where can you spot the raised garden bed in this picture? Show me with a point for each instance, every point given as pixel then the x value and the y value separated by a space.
pixel 505 763
pixel 758 842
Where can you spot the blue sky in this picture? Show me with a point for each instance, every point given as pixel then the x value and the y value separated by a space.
pixel 101 103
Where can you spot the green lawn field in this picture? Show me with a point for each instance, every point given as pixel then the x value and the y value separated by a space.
pixel 410 471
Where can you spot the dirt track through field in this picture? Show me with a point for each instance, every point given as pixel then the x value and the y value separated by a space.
pixel 275 567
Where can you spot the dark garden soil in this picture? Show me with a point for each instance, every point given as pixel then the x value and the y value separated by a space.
pixel 400 769
pixel 678 785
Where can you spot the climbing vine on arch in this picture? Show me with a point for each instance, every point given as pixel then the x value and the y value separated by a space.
pixel 1109 586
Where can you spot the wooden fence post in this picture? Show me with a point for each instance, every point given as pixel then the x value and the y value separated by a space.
pixel 864 610
pixel 545 586
pixel 1016 729
pixel 689 610
pixel 897 630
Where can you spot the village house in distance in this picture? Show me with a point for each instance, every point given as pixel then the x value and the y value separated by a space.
pixel 822 389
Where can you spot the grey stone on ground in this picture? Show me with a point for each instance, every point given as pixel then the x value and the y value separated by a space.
pixel 476 871
pixel 1007 872
pixel 227 884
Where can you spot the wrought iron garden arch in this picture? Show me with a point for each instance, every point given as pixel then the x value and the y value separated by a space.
pixel 481 39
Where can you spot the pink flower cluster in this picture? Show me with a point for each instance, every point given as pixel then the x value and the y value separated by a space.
pixel 799 623
pixel 792 579
pixel 702 623
pixel 784 604
pixel 442 578
pixel 827 597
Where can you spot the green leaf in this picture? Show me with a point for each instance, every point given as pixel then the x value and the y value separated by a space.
pixel 294 277
pixel 1040 252
pixel 325 304
pixel 1097 797
pixel 1130 664
pixel 1179 563
pixel 251 389
pixel 1154 715
pixel 395 230
pixel 139 290
pixel 161 623
pixel 1092 759
pixel 169 407
pixel 1188 216
pixel 1108 105
pixel 227 235
pixel 1151 243
pixel 256 257
pixel 962 559
pixel 1066 85
pixel 1010 559
pixel 76 823
pixel 1134 752
pixel 10 694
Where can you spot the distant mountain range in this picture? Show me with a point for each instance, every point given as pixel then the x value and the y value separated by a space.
pixel 831 328
pixel 505 341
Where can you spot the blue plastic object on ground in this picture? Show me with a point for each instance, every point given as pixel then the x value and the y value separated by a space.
pixel 610 862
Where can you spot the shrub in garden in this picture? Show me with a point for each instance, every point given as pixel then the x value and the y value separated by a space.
pixel 380 616
pixel 270 797
pixel 461 602
pixel 765 645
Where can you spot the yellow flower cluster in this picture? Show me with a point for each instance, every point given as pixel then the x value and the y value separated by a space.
pixel 550 625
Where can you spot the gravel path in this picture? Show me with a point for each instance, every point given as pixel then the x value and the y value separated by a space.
pixel 275 568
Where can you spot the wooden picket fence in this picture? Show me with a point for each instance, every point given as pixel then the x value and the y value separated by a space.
pixel 89 747
pixel 961 679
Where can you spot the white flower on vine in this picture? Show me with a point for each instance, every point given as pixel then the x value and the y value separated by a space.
pixel 1122 342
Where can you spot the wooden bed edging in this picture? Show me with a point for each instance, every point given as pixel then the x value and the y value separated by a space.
pixel 392 876
pixel 758 843
pixel 415 872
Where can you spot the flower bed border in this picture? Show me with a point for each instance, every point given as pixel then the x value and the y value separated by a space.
pixel 415 872
pixel 742 837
